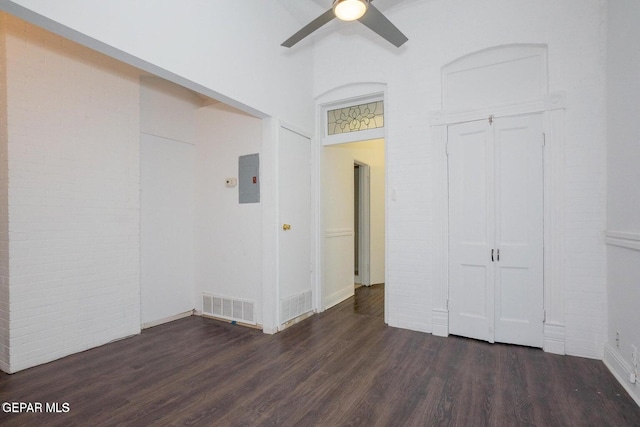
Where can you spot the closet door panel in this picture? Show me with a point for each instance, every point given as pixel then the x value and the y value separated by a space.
pixel 519 230
pixel 471 225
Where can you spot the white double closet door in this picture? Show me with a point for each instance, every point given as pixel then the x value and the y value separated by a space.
pixel 496 230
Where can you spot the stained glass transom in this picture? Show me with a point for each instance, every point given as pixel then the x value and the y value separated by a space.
pixel 355 118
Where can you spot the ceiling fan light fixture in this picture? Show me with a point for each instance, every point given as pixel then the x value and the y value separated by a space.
pixel 350 10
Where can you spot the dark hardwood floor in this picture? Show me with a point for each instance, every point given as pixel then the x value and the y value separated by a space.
pixel 369 300
pixel 338 368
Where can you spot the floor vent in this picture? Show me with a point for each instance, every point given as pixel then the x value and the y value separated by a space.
pixel 229 308
pixel 294 306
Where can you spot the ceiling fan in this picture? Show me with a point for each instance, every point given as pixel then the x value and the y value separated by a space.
pixel 352 10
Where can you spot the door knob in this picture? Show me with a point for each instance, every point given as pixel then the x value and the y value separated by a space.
pixel 286 227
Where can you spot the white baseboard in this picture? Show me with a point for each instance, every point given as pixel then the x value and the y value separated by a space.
pixel 167 319
pixel 269 331
pixel 440 322
pixel 295 320
pixel 338 297
pixel 554 339
pixel 621 371
pixel 412 326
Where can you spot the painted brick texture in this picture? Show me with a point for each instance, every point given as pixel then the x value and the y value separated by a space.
pixel 4 210
pixel 623 192
pixel 73 217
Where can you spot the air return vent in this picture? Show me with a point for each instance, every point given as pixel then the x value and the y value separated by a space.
pixel 294 306
pixel 229 308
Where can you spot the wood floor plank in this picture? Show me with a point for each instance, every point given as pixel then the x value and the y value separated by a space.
pixel 343 367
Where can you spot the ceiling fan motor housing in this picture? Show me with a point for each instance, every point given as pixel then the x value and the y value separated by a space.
pixel 350 10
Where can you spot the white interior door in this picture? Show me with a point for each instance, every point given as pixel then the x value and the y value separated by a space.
pixel 294 207
pixel 519 230
pixel 496 230
pixel 471 228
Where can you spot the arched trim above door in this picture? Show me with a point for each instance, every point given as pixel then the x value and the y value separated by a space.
pixel 499 81
pixel 501 75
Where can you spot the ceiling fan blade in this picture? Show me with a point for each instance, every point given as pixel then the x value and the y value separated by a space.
pixel 376 21
pixel 309 28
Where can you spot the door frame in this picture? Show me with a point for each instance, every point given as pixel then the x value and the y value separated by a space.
pixel 348 94
pixel 364 224
pixel 552 107
pixel 270 193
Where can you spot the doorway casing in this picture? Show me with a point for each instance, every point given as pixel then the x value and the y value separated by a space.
pixel 274 131
pixel 346 95
pixel 363 225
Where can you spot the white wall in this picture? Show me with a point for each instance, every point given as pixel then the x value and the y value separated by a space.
pixel 166 228
pixel 4 209
pixel 167 185
pixel 623 191
pixel 168 110
pixel 228 252
pixel 196 236
pixel 229 50
pixel 439 32
pixel 73 143
pixel 623 85
pixel 337 225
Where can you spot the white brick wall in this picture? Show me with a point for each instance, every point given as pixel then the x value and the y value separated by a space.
pixel 73 143
pixel 585 204
pixel 623 192
pixel 4 213
pixel 439 32
pixel 410 215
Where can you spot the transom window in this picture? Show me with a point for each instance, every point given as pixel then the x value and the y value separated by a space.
pixel 355 118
